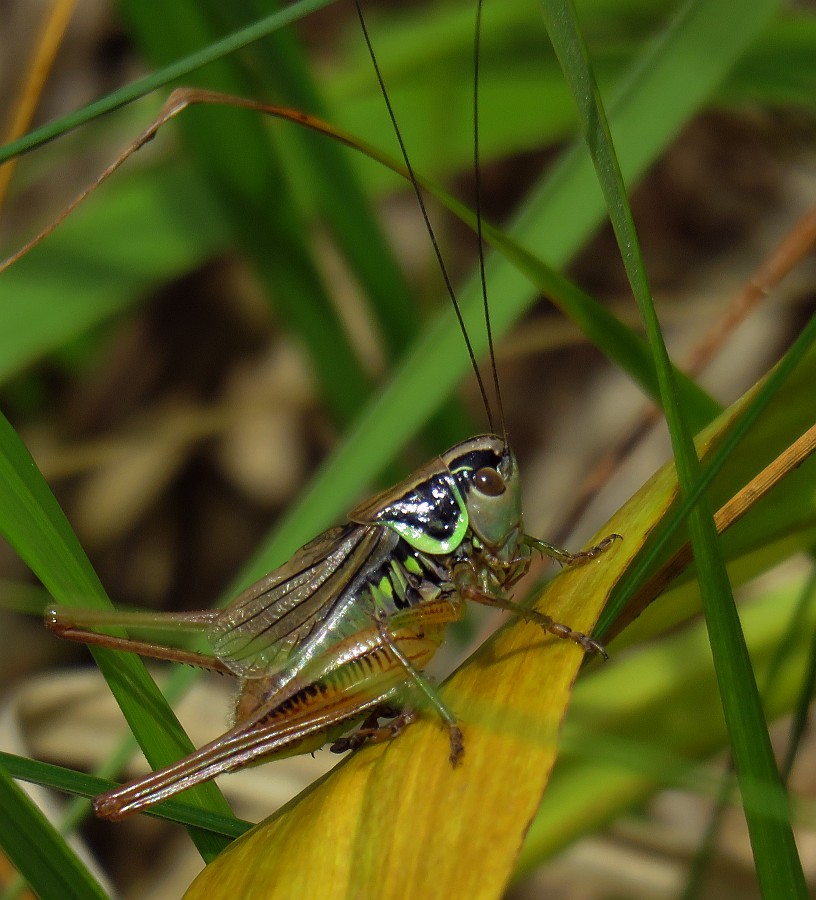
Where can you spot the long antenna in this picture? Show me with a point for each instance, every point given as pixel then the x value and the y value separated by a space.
pixel 477 181
pixel 428 226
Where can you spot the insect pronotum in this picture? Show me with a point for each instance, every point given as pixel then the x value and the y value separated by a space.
pixel 340 634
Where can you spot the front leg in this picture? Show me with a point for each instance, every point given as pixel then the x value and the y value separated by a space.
pixel 469 592
pixel 564 557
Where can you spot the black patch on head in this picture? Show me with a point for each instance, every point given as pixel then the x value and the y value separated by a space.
pixel 430 507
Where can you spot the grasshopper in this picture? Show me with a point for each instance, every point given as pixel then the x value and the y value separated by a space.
pixel 340 633
pixel 345 626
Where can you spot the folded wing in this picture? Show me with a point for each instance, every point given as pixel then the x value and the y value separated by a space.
pixel 284 620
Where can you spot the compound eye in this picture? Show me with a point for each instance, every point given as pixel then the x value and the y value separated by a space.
pixel 488 481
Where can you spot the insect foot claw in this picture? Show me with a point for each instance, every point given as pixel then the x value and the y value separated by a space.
pixel 106 807
pixel 566 633
pixel 457 745
pixel 371 732
pixel 594 647
pixel 594 552
pixel 607 542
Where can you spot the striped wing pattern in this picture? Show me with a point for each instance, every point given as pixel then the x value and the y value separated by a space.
pixel 283 620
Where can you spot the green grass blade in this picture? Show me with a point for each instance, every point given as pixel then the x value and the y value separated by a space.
pixel 781 68
pixel 277 67
pixel 766 393
pixel 247 179
pixel 33 523
pixel 82 785
pixel 38 851
pixel 169 74
pixel 777 862
pixel 153 227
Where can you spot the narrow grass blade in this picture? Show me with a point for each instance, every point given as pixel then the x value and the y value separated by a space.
pixel 33 523
pixel 82 785
pixel 37 849
pixel 763 448
pixel 778 866
pixel 246 177
pixel 156 80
